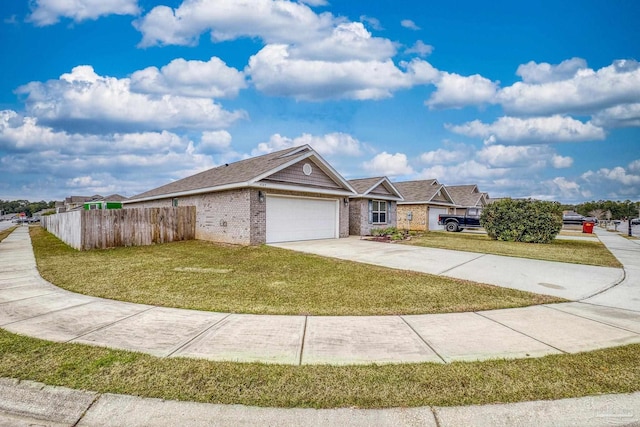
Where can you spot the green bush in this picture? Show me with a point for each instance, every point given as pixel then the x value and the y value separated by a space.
pixel 530 221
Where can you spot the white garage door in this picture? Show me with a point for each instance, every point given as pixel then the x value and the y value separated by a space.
pixel 433 218
pixel 292 218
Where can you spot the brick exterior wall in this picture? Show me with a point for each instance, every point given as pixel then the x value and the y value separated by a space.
pixel 236 216
pixel 419 221
pixel 359 217
pixel 220 217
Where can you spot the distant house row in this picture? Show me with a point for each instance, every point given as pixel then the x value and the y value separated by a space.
pixel 294 194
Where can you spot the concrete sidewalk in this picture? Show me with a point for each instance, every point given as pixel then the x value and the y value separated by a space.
pixel 28 403
pixel 33 307
pixel 627 293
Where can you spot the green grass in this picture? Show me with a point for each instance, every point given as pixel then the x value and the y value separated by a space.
pixel 262 280
pixel 570 251
pixel 5 233
pixel 615 370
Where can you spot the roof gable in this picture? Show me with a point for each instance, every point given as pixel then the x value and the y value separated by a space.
pixel 245 173
pixel 423 192
pixel 379 187
pixel 466 195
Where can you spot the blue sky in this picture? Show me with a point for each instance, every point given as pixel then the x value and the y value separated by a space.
pixel 526 99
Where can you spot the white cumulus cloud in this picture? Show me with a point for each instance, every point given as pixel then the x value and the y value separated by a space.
pixel 625 115
pixel 537 130
pixel 586 91
pixel 273 21
pixel 214 141
pixel 274 72
pixel 446 155
pixel 561 162
pixel 348 42
pixel 544 72
pixel 456 91
pixel 83 98
pixel 48 12
pixel 211 79
pixel 391 165
pixel 470 171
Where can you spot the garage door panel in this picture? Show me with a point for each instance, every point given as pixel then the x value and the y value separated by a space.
pixel 433 218
pixel 290 219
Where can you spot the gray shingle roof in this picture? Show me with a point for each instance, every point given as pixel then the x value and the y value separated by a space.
pixel 464 195
pixel 238 173
pixel 363 185
pixel 418 191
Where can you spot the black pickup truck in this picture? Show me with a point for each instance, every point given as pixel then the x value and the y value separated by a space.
pixel 459 222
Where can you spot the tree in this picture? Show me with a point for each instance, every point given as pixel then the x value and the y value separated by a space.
pixel 530 221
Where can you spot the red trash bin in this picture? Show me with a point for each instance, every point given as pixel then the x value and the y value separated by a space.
pixel 587 227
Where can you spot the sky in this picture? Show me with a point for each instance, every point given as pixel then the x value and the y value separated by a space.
pixel 525 99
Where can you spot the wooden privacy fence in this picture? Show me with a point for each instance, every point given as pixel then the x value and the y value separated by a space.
pixel 110 228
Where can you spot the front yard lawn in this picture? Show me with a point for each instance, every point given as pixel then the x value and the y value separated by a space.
pixel 570 251
pixel 261 280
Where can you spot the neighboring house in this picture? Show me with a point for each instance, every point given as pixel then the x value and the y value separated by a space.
pixel 465 197
pixel 81 202
pixel 423 201
pixel 113 201
pixel 375 205
pixel 292 194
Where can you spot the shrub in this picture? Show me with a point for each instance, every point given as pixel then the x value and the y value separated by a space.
pixel 530 221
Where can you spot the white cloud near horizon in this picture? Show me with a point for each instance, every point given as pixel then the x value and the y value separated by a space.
pixel 536 130
pixel 127 163
pixel 578 90
pixel 83 98
pixel 330 144
pixel 49 12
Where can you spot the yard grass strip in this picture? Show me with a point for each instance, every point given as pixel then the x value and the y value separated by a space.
pixel 5 233
pixel 560 250
pixel 614 370
pixel 260 280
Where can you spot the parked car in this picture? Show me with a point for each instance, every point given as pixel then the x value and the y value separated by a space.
pixel 456 223
pixel 572 218
pixel 635 221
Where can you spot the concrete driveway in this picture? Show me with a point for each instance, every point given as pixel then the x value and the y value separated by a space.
pixel 571 281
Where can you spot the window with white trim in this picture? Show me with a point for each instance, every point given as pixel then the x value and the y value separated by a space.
pixel 379 211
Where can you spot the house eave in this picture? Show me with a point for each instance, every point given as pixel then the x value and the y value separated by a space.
pixel 376 197
pixel 300 189
pixel 195 192
pixel 427 203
